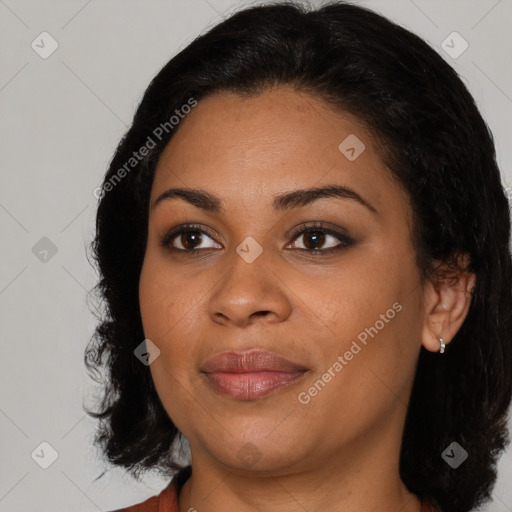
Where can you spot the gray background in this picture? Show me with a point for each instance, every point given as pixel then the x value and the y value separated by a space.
pixel 62 117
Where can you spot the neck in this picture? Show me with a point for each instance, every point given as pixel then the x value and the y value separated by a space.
pixel 358 479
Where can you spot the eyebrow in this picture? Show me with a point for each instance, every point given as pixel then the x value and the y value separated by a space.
pixel 294 199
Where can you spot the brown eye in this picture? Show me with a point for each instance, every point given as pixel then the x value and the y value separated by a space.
pixel 190 239
pixel 187 239
pixel 318 240
pixel 312 239
pixel 316 237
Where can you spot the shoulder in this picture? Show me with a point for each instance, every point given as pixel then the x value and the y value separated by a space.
pixel 150 505
pixel 167 500
pixel 430 506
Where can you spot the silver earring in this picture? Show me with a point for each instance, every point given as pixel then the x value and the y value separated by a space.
pixel 441 341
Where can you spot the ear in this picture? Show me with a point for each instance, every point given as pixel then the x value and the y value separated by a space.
pixel 447 304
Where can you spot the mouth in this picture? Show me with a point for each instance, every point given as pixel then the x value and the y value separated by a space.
pixel 250 375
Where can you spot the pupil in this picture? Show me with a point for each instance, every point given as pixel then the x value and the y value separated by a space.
pixel 188 239
pixel 317 238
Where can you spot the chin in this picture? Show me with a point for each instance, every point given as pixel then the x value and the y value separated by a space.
pixel 257 453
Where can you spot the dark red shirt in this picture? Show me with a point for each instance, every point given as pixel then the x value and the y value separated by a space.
pixel 167 500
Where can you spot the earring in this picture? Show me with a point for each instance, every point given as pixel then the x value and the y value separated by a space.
pixel 441 342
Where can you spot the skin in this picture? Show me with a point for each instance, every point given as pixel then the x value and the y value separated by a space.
pixel 339 451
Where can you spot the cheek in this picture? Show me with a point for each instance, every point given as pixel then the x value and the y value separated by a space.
pixel 154 302
pixel 345 300
pixel 373 376
pixel 163 311
pixel 171 308
pixel 162 296
pixel 373 319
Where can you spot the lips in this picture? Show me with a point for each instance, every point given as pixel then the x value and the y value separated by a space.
pixel 250 375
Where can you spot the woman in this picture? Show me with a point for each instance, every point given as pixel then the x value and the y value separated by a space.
pixel 303 243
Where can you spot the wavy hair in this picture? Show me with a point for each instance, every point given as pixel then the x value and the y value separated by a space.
pixel 433 139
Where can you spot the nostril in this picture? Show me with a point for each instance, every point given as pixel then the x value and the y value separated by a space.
pixel 261 313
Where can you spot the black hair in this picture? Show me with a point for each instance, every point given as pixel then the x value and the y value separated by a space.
pixel 437 146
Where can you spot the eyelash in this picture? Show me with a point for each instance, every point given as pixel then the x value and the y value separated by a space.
pixel 345 241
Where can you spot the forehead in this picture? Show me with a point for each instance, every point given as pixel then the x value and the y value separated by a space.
pixel 281 139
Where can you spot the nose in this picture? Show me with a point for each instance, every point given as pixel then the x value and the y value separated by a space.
pixel 249 292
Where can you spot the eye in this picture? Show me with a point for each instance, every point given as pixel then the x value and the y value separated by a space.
pixel 316 235
pixel 187 238
pixel 191 239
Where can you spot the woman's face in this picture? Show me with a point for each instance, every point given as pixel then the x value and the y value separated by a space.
pixel 342 302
